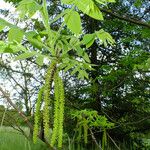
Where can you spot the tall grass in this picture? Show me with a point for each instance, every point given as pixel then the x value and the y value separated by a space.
pixel 11 139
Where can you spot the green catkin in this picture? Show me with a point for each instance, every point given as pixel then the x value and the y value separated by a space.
pixel 61 111
pixel 104 139
pixel 85 128
pixel 37 115
pixel 57 133
pixel 80 132
pixel 56 110
pixel 47 89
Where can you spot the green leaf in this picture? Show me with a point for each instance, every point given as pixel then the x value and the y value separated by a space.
pixel 82 53
pixel 104 37
pixel 145 33
pixel 1 27
pixel 59 45
pixel 11 47
pixel 31 34
pixel 68 1
pixel 87 66
pixel 75 70
pixel 21 47
pixel 88 39
pixel 89 8
pixel 25 55
pixel 39 60
pixel 34 39
pixel 101 1
pixel 79 50
pixel 82 74
pixel 2 46
pixel 28 7
pixel 66 47
pixel 15 34
pixel 111 1
pixel 4 23
pixel 16 47
pixel 69 66
pixel 74 41
pixel 73 21
pixel 138 3
pixel 104 2
pixel 59 16
pixel 86 57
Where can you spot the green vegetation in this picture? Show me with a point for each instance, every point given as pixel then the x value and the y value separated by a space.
pixel 13 140
pixel 76 74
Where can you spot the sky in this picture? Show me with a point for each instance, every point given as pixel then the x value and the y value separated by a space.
pixel 6 6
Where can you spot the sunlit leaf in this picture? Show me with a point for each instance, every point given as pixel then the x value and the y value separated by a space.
pixel 15 34
pixel 28 7
pixel 104 37
pixel 88 39
pixel 89 8
pixel 25 55
pixel 40 60
pixel 73 21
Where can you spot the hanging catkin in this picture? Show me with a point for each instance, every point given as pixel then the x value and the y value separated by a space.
pixel 37 115
pixel 47 89
pixel 57 134
pixel 61 112
pixel 85 128
pixel 56 109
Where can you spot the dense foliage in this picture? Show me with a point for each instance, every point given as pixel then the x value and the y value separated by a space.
pixel 98 57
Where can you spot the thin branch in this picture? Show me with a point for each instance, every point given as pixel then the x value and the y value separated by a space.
pixel 137 122
pixel 19 130
pixel 126 18
pixel 6 95
pixel 11 76
pixel 16 126
pixel 16 71
pixel 113 142
pixel 94 139
pixel 8 68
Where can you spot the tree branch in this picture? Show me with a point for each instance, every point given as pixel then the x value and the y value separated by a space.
pixel 94 139
pixel 8 68
pixel 5 94
pixel 113 142
pixel 126 18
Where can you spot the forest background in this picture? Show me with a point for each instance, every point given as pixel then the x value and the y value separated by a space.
pixel 106 79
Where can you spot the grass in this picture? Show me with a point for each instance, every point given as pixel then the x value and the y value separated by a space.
pixel 11 139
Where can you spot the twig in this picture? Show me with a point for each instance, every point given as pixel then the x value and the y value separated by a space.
pixel 94 139
pixel 3 117
pixel 113 142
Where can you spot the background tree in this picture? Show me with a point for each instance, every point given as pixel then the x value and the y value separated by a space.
pixel 119 86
